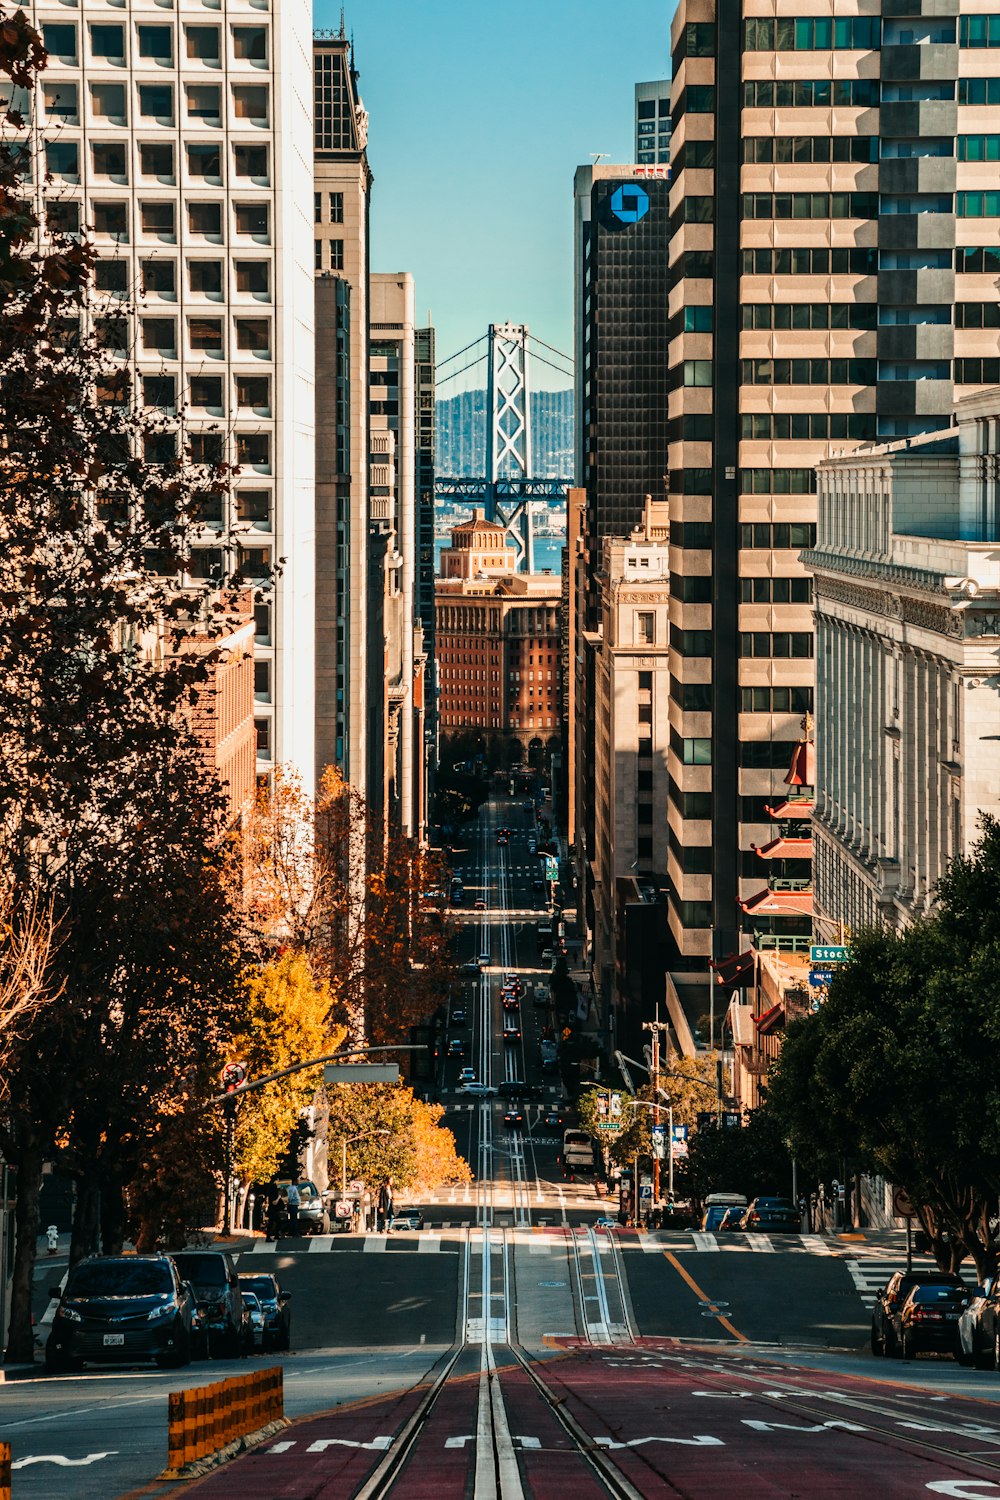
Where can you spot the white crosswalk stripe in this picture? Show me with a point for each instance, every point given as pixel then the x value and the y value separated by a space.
pixel 870 1275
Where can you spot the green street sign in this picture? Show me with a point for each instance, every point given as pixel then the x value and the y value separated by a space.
pixel 835 954
pixel 609 1125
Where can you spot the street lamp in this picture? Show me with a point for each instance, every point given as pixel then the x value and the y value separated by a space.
pixel 349 1141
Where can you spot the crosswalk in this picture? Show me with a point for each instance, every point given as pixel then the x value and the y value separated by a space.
pixel 869 1274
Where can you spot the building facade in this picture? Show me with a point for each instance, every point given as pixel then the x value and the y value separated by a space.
pixel 178 140
pixel 425 678
pixel 498 640
pixel 342 182
pixel 832 263
pixel 652 123
pixel 908 631
pixel 632 719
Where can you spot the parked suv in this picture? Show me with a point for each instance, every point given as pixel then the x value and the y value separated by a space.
pixel 122 1307
pixel 889 1301
pixel 223 1322
pixel 277 1317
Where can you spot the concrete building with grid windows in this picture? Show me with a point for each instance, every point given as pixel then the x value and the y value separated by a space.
pixel 652 123
pixel 835 243
pixel 180 139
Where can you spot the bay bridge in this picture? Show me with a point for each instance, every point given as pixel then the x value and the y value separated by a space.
pixel 507 489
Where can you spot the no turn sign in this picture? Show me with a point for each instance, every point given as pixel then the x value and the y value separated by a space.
pixel 902 1204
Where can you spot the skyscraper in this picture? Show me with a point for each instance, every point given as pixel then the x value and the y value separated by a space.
pixel 652 123
pixel 341 195
pixel 833 256
pixel 180 138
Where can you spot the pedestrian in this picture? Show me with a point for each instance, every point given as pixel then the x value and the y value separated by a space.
pixel 293 1200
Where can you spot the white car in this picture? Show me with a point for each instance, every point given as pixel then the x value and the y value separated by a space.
pixel 481 1090
pixel 467 1075
pixel 486 956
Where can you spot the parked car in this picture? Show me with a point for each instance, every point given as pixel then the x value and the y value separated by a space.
pixel 407 1218
pixel 890 1298
pixel 222 1321
pixel 312 1211
pixel 511 1003
pixel 979 1328
pixel 716 1205
pixel 605 1222
pixel 122 1307
pixel 274 1302
pixel 513 1115
pixel 770 1216
pixel 928 1319
pixel 731 1219
pixel 541 995
pixel 255 1314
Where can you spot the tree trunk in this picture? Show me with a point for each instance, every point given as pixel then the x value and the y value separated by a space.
pixel 113 1218
pixel 27 1221
pixel 86 1219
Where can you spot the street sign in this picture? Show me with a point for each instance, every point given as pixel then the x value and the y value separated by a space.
pixel 902 1204
pixel 731 1119
pixel 820 976
pixel 616 1106
pixel 233 1074
pixel 551 868
pixel 645 1190
pixel 608 1125
pixel 361 1073
pixel 835 953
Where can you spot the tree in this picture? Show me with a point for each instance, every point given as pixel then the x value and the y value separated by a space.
pixel 414 1149
pixel 896 1071
pixel 751 1160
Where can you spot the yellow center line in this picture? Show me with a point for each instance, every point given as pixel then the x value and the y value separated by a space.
pixel 686 1276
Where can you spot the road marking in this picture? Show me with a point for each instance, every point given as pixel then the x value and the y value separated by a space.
pixel 759 1242
pixel 63 1463
pixel 428 1243
pixel 833 1425
pixel 963 1489
pixel 321 1242
pixel 692 1442
pixel 377 1444
pixel 704 1241
pixel 671 1257
pixel 373 1243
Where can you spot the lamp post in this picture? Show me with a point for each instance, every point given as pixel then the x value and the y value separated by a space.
pixel 349 1141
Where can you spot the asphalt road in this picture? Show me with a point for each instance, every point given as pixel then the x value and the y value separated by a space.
pixel 701 1364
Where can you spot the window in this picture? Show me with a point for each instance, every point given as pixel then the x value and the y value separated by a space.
pixel 808 371
pixel 206 391
pixel 250 43
pixel 253 335
pixel 205 162
pixel 205 218
pixel 691 588
pixel 805 261
pixel 262 624
pixel 813 148
pixel 979 31
pixel 978 90
pixel 779 700
pixel 109 160
pixel 262 681
pixel 777 534
pixel 691 642
pixel 112 334
pixel 816 93
pixel 107 102
pixel 696 534
pixel 779 643
pixel 156 102
pixel 977 372
pixel 699 99
pixel 159 390
pixel 776 590
pixel 204 103
pixel 253 391
pixel 691 481
pixel 777 481
pixel 250 102
pixel 336 255
pixel 62 216
pixel 158 218
pixel 205 335
pixel 60 102
pixel 645 627
pixel 60 41
pixel 159 336
pixel 697 372
pixel 698 320
pixel 810 205
pixel 783 315
pixel 766 755
pixel 250 161
pixel 206 448
pixel 111 276
pixel 336 203
pixel 317 255
pixel 253 448
pixel 811 34
pixel 156 42
pixel 692 697
pixel 698 210
pixel 977 315
pixel 696 752
pixel 111 218
pixel 159 447
pixel 699 39
pixel 108 42
pixel 977 205
pixel 263 728
pixel 251 219
pixel 253 276
pixel 202 43
pixel 254 508
pixel 158 276
pixel 205 276
pixel 156 161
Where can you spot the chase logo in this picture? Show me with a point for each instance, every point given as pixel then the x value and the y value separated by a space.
pixel 629 203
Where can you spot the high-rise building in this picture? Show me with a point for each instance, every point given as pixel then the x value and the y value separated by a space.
pixel 652 123
pixel 179 138
pixel 342 181
pixel 621 336
pixel 835 243
pixel 425 678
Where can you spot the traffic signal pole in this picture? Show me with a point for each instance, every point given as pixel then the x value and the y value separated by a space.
pixel 655 1027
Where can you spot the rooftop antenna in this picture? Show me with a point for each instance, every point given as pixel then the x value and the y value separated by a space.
pixel 598 156
pixel 343 31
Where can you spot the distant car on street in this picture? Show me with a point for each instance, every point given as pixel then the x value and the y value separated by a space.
pixel 717 1205
pixel 770 1216
pixel 467 1075
pixel 513 1115
pixel 604 1222
pixel 485 956
pixel 277 1315
pixel 471 967
pixel 255 1315
pixel 731 1219
pixel 890 1299
pixel 407 1218
pixel 480 1090
pixel 458 1015
pixel 480 905
pixel 540 995
pixel 555 1119
pixel 456 1047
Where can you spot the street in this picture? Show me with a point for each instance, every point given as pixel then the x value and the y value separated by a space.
pixel 566 1359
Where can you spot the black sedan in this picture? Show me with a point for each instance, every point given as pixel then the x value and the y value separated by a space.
pixel 274 1302
pixel 890 1298
pixel 771 1215
pixel 122 1308
pixel 513 1115
pixel 928 1320
pixel 554 1119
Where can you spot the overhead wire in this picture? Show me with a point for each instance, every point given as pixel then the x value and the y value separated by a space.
pixel 559 371
pixel 551 348
pixel 455 373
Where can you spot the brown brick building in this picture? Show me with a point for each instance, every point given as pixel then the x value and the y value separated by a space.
pixel 498 645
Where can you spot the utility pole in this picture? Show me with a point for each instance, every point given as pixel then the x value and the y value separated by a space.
pixel 655 1027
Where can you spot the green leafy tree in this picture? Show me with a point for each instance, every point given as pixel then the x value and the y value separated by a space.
pixel 750 1160
pixel 401 1139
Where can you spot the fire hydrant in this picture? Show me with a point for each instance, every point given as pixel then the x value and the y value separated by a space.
pixel 52 1239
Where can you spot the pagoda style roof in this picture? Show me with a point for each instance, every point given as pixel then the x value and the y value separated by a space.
pixel 779 904
pixel 785 848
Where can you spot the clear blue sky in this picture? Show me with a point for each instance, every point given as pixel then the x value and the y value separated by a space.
pixel 480 112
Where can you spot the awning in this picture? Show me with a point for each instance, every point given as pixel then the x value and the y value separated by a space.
pixel 785 848
pixel 802 771
pixel 741 1023
pixel 788 809
pixel 735 970
pixel 770 1019
pixel 779 904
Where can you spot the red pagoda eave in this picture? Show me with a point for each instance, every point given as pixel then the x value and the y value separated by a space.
pixel 779 904
pixel 803 809
pixel 785 848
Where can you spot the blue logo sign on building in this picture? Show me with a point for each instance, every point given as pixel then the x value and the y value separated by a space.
pixel 629 203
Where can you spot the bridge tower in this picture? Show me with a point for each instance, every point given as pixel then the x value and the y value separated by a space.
pixel 508 433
